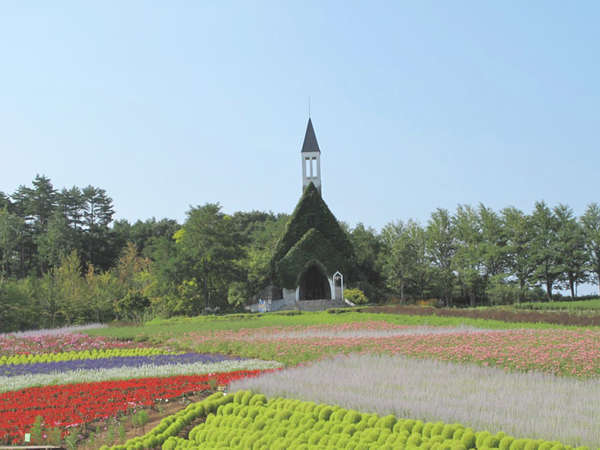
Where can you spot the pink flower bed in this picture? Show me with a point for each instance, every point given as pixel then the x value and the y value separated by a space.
pixel 564 352
pixel 15 345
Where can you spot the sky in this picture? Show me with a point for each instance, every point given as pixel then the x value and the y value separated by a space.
pixel 416 105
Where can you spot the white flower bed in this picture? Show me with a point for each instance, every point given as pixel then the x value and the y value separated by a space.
pixel 122 373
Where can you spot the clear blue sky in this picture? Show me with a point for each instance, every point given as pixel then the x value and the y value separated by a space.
pixel 416 105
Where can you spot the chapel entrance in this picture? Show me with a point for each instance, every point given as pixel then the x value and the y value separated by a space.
pixel 314 285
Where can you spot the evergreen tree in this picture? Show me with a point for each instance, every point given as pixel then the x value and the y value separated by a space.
pixel 591 229
pixel 519 247
pixel 467 260
pixel 441 247
pixel 545 247
pixel 571 247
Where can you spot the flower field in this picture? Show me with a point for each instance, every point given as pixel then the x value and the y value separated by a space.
pixel 68 405
pixel 557 351
pixel 71 379
pixel 347 384
pixel 37 343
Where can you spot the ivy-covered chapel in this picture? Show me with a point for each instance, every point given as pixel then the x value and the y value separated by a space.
pixel 314 254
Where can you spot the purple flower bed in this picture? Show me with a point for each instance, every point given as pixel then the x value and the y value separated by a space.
pixel 10 370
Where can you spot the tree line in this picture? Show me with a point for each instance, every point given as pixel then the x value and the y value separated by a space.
pixel 480 256
pixel 63 259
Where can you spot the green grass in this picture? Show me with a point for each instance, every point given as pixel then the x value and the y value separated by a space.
pixel 159 330
pixel 575 306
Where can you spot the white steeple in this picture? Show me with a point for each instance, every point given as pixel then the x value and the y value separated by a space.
pixel 311 159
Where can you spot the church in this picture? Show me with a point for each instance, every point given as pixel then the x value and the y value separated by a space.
pixel 314 255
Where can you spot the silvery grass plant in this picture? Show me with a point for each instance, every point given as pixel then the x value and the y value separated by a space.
pixel 14 383
pixel 54 331
pixel 527 405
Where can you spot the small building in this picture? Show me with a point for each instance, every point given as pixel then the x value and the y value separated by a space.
pixel 314 254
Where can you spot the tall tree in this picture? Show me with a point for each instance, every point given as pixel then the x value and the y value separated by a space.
pixel 571 247
pixel 397 257
pixel 545 251
pixel 12 229
pixel 367 247
pixel 591 229
pixel 519 248
pixel 5 201
pixel 468 260
pixel 97 208
pixel 98 246
pixel 42 203
pixel 493 242
pixel 72 204
pixel 55 243
pixel 441 245
pixel 211 254
pixel 404 260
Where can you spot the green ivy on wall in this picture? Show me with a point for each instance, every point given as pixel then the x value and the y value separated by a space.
pixel 312 235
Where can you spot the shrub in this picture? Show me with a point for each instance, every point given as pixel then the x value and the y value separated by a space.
pixel 356 296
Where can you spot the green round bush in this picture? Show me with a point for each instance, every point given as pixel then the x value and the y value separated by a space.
pixel 338 415
pixel 492 442
pixel 352 417
pixel 370 435
pixel 458 434
pixel 448 431
pixel 283 414
pixel 246 398
pixel 518 444
pixel 362 425
pixel 349 430
pixel 437 429
pixel 532 444
pixel 414 440
pixel 387 422
pixel 170 444
pixel 469 439
pixel 383 435
pixel 337 428
pixel 325 413
pixel 481 437
pixel 237 397
pixel 258 399
pixel 315 437
pixel 356 296
pixel 418 427
pixel 427 429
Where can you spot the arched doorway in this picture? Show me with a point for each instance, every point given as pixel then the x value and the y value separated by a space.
pixel 314 284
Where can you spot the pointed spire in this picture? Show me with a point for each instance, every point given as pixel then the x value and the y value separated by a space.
pixel 310 140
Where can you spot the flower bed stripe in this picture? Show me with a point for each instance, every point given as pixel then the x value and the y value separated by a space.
pixel 14 383
pixel 562 352
pixel 66 406
pixel 86 354
pixel 36 344
pixel 11 370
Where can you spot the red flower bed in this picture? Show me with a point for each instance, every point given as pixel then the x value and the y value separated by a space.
pixel 69 405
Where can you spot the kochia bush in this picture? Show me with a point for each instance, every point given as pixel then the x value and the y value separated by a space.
pixel 245 420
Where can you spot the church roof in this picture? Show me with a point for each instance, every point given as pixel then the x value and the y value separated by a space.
pixel 330 246
pixel 310 140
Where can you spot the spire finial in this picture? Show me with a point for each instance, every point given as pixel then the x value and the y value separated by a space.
pixel 309 106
